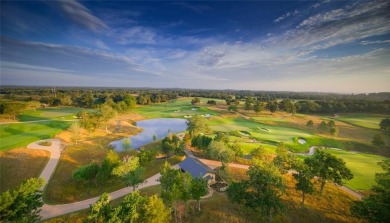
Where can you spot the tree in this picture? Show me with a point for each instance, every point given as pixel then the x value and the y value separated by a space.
pixel 219 151
pixel 198 189
pixel 145 156
pixel 334 131
pixel 154 211
pixel 172 185
pixel 260 153
pixel 376 207
pixel 128 165
pixel 378 140
pixel 195 101
pixel 385 124
pixel 323 127
pixel 197 124
pixel 23 203
pixel 331 124
pixel 284 160
pixel 135 177
pixel 126 144
pixel 75 131
pixel 111 161
pixel 101 210
pixel 261 192
pixel 233 108
pixel 134 208
pixel 12 109
pixel 258 107
pixel 328 168
pixel 309 124
pixel 211 102
pixel 236 149
pixel 87 173
pixel 272 106
pixel 107 113
pixel 236 192
pixel 303 177
pixel 249 103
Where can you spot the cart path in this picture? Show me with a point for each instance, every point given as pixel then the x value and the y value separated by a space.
pixel 50 211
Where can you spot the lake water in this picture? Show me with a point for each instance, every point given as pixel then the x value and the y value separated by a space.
pixel 159 127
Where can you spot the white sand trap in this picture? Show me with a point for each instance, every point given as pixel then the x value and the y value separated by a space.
pixel 264 129
pixel 302 141
pixel 194 109
pixel 244 134
pixel 177 111
pixel 187 116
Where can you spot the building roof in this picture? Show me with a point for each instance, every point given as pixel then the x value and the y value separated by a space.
pixel 195 167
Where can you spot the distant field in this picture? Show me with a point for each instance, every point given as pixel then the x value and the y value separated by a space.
pixel 174 109
pixel 49 113
pixel 364 120
pixel 21 134
pixel 363 166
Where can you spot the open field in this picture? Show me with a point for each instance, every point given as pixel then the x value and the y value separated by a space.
pixel 363 166
pixel 174 109
pixel 364 120
pixel 21 134
pixel 18 165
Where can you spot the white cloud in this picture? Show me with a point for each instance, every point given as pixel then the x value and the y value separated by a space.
pixel 81 15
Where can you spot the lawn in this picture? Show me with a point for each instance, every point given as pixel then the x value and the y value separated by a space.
pixel 364 120
pixel 264 134
pixel 175 109
pixel 363 166
pixel 21 134
pixel 64 113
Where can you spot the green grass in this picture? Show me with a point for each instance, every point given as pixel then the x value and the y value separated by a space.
pixel 363 166
pixel 174 109
pixel 363 120
pixel 275 134
pixel 65 113
pixel 21 134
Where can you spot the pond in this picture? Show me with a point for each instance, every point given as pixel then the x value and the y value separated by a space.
pixel 159 127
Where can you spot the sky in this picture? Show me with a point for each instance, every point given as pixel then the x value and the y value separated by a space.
pixel 321 46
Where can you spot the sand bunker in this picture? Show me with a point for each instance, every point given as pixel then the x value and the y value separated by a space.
pixel 194 109
pixel 301 141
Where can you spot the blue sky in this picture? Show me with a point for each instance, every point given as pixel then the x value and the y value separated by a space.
pixel 326 46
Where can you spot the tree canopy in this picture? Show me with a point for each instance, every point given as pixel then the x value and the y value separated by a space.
pixel 327 167
pixel 23 203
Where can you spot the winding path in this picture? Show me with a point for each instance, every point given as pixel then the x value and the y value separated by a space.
pixel 51 211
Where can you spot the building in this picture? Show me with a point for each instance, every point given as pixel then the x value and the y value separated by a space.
pixel 196 168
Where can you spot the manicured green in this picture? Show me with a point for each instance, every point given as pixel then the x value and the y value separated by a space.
pixel 175 109
pixel 65 113
pixel 362 165
pixel 260 132
pixel 21 134
pixel 364 120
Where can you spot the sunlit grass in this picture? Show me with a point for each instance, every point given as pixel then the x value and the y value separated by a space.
pixel 17 165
